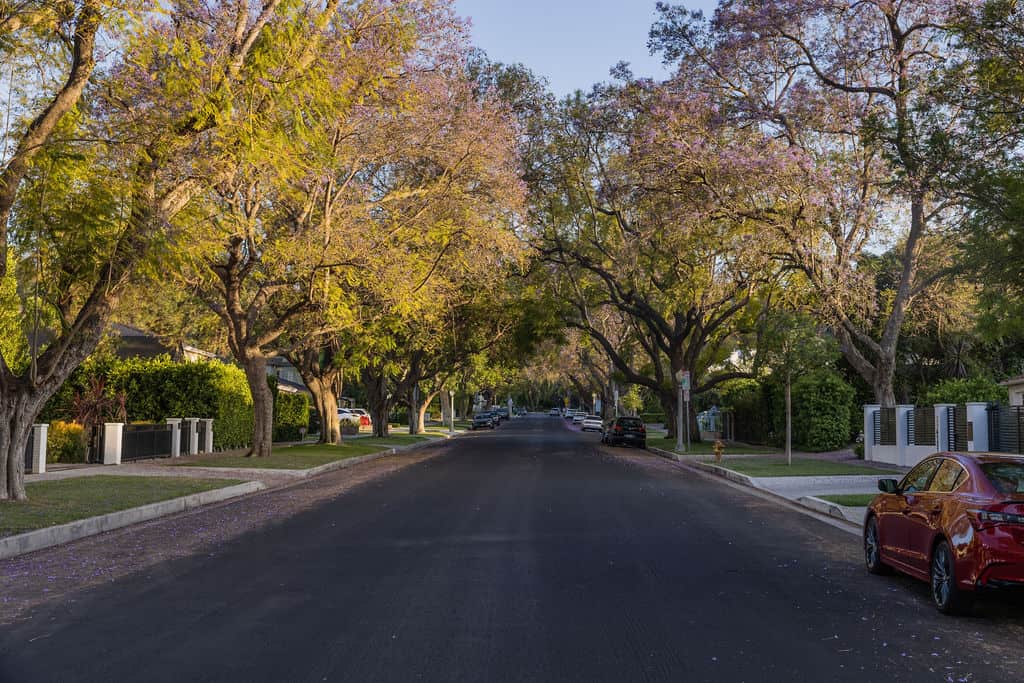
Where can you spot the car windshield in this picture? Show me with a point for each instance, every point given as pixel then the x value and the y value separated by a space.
pixel 1007 477
pixel 630 422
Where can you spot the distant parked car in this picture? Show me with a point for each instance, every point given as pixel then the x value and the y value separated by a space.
pixel 625 430
pixel 592 423
pixel 483 421
pixel 569 413
pixel 579 417
pixel 554 412
pixel 503 413
pixel 358 413
pixel 956 521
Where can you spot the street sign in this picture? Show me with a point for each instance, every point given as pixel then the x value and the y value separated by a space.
pixel 683 377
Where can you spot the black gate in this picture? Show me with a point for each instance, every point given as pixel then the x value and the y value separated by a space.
pixel 29 447
pixel 202 436
pixel 960 436
pixel 1005 428
pixel 142 442
pixel 924 426
pixel 95 454
pixel 887 428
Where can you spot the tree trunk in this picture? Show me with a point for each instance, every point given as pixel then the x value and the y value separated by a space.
pixel 327 407
pixel 789 419
pixel 17 409
pixel 377 400
pixel 415 425
pixel 422 412
pixel 255 365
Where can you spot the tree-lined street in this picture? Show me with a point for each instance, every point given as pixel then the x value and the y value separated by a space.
pixel 527 553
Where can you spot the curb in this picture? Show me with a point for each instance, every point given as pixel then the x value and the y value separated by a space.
pixel 826 508
pixel 39 539
pixel 816 510
pixel 325 468
pixel 31 541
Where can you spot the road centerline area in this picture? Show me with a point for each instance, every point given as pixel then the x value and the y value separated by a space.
pixel 523 553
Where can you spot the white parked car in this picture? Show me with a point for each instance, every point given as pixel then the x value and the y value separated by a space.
pixel 579 417
pixel 592 422
pixel 554 412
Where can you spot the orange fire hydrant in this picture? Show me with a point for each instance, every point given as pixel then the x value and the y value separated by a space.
pixel 719 447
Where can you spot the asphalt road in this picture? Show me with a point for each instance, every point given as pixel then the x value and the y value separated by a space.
pixel 524 554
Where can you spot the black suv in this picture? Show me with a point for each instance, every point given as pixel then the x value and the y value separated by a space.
pixel 625 430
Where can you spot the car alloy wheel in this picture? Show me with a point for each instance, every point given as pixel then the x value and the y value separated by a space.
pixel 948 598
pixel 873 549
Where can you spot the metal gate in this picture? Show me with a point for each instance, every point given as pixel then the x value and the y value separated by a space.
pixel 142 442
pixel 960 435
pixel 1005 428
pixel 29 447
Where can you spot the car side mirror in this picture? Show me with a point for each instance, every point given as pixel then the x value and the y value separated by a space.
pixel 888 486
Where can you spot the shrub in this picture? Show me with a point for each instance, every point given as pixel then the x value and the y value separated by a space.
pixel 858 450
pixel 821 411
pixel 65 442
pixel 157 388
pixel 653 418
pixel 974 389
pixel 746 400
pixel 291 413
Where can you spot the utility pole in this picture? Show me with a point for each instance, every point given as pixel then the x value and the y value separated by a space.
pixel 683 408
pixel 451 411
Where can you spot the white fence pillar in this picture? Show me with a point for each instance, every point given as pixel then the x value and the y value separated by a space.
pixel 208 445
pixel 942 443
pixel 901 433
pixel 113 437
pixel 977 427
pixel 175 424
pixel 192 447
pixel 39 434
pixel 869 430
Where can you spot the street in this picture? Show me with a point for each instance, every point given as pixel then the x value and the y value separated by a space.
pixel 529 553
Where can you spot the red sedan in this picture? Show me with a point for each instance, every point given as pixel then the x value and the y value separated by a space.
pixel 956 521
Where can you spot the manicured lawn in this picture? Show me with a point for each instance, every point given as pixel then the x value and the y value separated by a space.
pixel 306 456
pixel 66 500
pixel 801 467
pixel 708 447
pixel 854 500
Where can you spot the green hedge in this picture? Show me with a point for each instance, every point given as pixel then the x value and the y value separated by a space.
pixel 975 389
pixel 822 401
pixel 158 388
pixel 291 413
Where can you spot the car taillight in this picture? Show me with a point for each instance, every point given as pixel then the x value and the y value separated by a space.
pixel 997 517
pixel 643 429
pixel 618 428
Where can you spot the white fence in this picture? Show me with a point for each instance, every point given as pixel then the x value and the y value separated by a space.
pixel 905 435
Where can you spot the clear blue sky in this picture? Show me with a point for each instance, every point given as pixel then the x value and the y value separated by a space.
pixel 571 42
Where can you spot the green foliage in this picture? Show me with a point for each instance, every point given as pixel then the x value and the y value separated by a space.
pixel 291 413
pixel 65 442
pixel 974 389
pixel 746 399
pixel 822 401
pixel 158 388
pixel 858 450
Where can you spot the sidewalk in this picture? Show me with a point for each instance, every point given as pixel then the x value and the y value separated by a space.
pixel 804 490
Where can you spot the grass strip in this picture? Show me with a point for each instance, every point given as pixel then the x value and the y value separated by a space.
pixel 308 455
pixel 66 500
pixel 801 467
pixel 853 500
